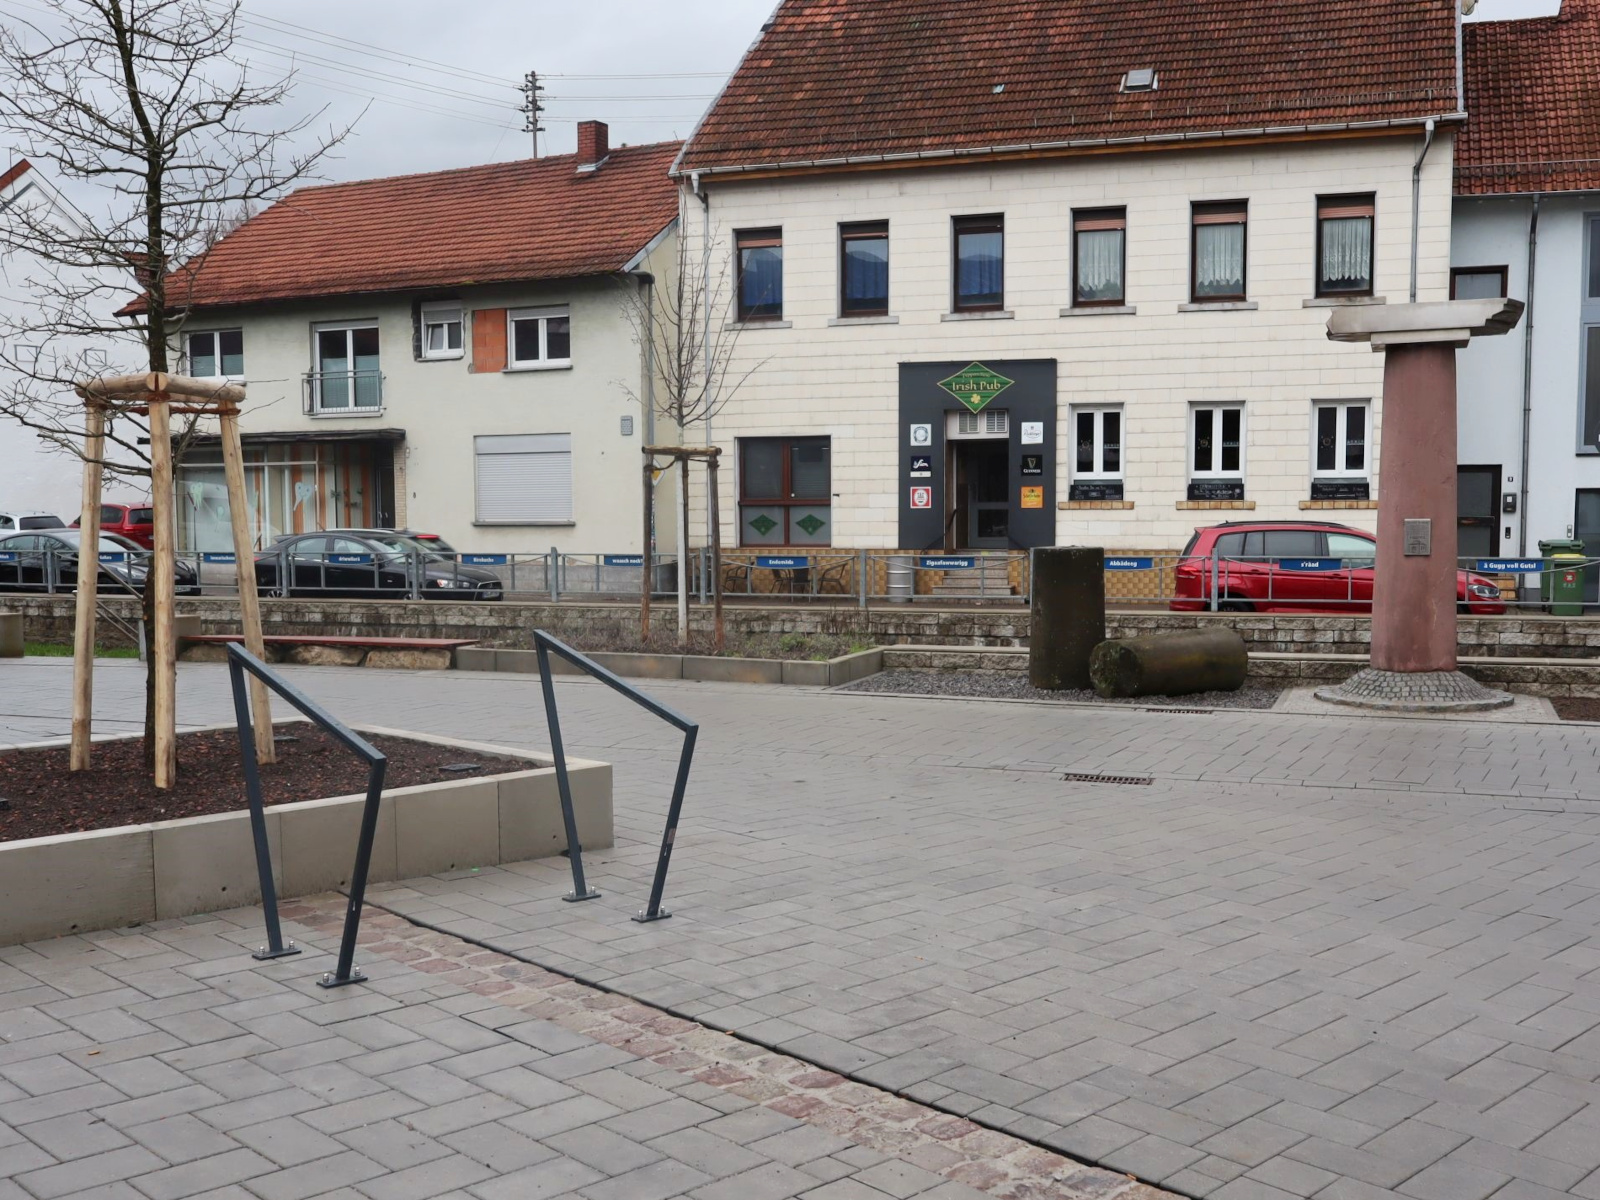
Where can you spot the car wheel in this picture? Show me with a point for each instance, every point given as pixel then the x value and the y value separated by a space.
pixel 1229 604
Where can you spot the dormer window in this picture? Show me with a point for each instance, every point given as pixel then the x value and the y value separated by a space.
pixel 1141 79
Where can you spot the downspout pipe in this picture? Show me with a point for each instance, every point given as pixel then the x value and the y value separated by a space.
pixel 1527 374
pixel 647 296
pixel 1416 199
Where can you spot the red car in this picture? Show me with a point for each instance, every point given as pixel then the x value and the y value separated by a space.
pixel 1296 566
pixel 132 521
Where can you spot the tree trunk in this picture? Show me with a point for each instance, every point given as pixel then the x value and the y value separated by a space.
pixel 1170 664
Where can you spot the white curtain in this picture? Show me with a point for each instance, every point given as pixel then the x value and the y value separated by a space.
pixel 1219 260
pixel 1100 264
pixel 1347 251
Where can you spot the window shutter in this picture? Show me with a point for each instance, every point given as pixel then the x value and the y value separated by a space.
pixel 1220 214
pixel 488 340
pixel 524 477
pixel 1336 207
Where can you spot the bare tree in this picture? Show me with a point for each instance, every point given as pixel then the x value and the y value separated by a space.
pixel 143 106
pixel 679 322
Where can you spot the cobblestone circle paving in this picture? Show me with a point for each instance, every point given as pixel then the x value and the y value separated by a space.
pixel 1319 956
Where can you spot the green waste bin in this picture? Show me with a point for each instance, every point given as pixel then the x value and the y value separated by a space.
pixel 1561 581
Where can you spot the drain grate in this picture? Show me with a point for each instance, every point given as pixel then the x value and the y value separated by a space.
pixel 1191 712
pixel 1125 780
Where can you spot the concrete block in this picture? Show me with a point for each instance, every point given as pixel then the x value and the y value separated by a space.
pixel 204 864
pixel 643 666
pixel 732 670
pixel 848 668
pixel 186 625
pixel 805 674
pixel 475 658
pixel 318 839
pixel 446 826
pixel 530 811
pixel 10 635
pixel 75 882
pixel 522 662
pixel 409 660
pixel 204 652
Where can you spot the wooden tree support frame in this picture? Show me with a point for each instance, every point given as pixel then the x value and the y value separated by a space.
pixel 158 395
pixel 683 455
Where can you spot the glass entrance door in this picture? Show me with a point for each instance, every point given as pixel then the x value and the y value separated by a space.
pixel 1477 513
pixel 983 472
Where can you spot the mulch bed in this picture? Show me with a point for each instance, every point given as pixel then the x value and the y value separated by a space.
pixel 1577 708
pixel 40 797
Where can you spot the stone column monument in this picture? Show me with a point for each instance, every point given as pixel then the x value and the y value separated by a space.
pixel 1414 592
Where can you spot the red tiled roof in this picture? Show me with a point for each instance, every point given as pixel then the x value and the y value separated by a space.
pixel 1533 95
pixel 14 172
pixel 831 79
pixel 531 219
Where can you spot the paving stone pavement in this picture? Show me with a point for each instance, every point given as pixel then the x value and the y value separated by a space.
pixel 1342 958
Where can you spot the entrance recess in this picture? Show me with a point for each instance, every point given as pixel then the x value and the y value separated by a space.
pixel 1477 512
pixel 980 485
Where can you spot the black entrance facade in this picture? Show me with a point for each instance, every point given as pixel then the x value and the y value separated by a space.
pixel 977 454
pixel 1477 512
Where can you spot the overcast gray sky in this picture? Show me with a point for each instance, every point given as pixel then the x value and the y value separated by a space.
pixel 467 58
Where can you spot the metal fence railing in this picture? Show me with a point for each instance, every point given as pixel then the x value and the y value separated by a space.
pixel 822 574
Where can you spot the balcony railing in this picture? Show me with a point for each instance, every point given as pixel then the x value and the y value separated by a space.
pixel 344 393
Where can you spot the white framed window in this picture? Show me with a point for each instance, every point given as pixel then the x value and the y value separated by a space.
pixel 215 353
pixel 1216 441
pixel 1097 443
pixel 990 423
pixel 1341 439
pixel 347 378
pixel 441 331
pixel 524 479
pixel 539 338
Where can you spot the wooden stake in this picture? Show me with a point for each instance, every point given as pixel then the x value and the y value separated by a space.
pixel 716 552
pixel 244 566
pixel 164 658
pixel 94 445
pixel 644 596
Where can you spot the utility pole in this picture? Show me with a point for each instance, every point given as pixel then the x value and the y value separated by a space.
pixel 532 107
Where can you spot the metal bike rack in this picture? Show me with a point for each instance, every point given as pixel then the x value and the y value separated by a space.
pixel 544 644
pixel 241 660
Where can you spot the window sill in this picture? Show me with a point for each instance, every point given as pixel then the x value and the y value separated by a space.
pixel 501 524
pixel 997 315
pixel 335 413
pixel 1219 306
pixel 564 364
pixel 1095 505
pixel 1342 301
pixel 1102 310
pixel 1331 505
pixel 879 320
pixel 759 325
pixel 441 357
pixel 1217 505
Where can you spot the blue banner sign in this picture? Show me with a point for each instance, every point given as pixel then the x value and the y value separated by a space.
pixel 111 556
pixel 622 560
pixel 350 560
pixel 1130 564
pixel 8 556
pixel 948 564
pixel 485 560
pixel 1509 566
pixel 783 562
pixel 225 559
pixel 1310 564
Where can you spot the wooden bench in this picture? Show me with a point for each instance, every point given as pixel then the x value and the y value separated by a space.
pixel 395 653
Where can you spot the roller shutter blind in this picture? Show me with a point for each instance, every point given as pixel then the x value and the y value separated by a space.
pixel 524 478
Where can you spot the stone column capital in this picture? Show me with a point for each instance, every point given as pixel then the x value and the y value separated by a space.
pixel 1442 322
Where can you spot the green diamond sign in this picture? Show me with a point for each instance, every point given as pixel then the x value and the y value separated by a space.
pixel 811 523
pixel 763 524
pixel 976 385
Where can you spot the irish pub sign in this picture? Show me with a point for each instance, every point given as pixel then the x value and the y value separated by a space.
pixel 976 386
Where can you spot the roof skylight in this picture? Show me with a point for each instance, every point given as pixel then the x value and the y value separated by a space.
pixel 1141 79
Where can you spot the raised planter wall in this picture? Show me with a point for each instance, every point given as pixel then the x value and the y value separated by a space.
pixel 112 878
pixel 510 625
pixel 844 669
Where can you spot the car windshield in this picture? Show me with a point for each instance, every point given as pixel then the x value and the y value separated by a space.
pixel 41 523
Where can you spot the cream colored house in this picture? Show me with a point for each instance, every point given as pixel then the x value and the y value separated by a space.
pixel 1070 285
pixel 452 352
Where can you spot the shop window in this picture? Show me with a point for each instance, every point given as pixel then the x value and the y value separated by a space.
pixel 785 492
pixel 1216 452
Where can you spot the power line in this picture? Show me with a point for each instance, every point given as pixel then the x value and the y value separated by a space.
pixel 284 28
pixel 381 76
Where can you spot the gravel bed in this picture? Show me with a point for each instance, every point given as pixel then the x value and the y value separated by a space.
pixel 1014 685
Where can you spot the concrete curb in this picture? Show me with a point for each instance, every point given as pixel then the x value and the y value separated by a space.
pixel 111 878
pixel 847 668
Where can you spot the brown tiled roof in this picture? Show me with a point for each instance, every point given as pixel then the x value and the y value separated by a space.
pixel 532 219
pixel 1533 95
pixel 834 79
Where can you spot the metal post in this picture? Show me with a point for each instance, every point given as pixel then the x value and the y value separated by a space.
pixel 654 912
pixel 344 972
pixel 864 564
pixel 276 947
pixel 1213 579
pixel 555 575
pixel 580 888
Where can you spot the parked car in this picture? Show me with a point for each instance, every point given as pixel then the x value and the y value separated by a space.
pixel 370 566
pixel 11 522
pixel 136 522
pixel 48 561
pixel 430 543
pixel 1283 566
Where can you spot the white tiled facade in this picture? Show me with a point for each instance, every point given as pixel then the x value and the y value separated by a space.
pixel 816 376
